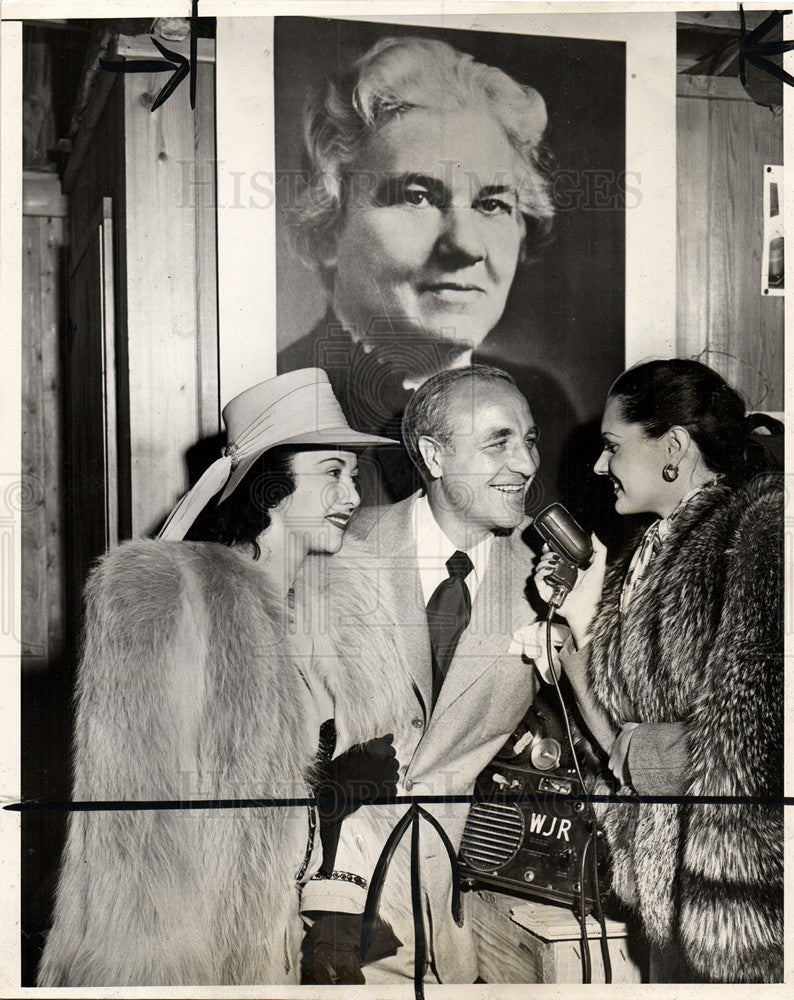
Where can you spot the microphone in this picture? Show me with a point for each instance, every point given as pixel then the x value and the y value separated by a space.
pixel 571 543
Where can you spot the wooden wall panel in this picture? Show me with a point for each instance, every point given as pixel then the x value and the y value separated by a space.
pixel 39 133
pixel 53 249
pixel 172 335
pixel 206 253
pixel 693 226
pixel 724 140
pixel 34 588
pixel 95 171
pixel 88 531
pixel 166 266
pixel 42 523
pixel 161 297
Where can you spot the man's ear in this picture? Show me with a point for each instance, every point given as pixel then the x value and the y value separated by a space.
pixel 431 451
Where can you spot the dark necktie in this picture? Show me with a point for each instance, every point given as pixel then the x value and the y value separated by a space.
pixel 448 614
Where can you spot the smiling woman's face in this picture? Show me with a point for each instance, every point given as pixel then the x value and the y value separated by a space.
pixel 325 496
pixel 634 462
pixel 432 231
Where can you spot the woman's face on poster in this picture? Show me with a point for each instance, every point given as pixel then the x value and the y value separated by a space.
pixel 432 231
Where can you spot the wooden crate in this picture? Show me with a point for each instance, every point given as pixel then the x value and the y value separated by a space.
pixel 524 942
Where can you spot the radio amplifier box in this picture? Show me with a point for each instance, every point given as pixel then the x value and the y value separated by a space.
pixel 523 835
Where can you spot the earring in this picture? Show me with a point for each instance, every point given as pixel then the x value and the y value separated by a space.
pixel 670 473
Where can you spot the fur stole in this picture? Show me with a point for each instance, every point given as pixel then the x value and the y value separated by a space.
pixel 186 690
pixel 702 642
pixel 350 611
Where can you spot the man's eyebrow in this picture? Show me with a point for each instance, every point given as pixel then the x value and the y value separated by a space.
pixel 498 433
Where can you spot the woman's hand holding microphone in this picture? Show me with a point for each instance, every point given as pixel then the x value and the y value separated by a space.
pixel 578 607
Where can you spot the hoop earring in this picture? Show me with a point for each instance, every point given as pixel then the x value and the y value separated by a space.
pixel 670 473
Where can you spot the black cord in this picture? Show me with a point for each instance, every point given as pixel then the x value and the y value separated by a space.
pixel 587 972
pixel 420 949
pixel 569 733
pixel 369 926
pixel 604 941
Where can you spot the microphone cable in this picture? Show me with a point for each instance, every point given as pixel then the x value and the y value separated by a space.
pixel 594 836
pixel 587 976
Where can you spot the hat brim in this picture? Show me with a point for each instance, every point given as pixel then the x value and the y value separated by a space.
pixel 329 437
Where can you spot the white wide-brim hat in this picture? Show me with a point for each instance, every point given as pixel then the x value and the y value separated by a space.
pixel 297 408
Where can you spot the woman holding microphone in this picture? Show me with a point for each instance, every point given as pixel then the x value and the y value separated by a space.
pixel 676 663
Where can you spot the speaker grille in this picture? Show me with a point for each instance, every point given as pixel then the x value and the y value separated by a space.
pixel 492 836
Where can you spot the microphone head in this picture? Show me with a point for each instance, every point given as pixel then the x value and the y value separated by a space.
pixel 567 538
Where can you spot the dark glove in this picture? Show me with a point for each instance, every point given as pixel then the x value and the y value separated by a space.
pixel 332 949
pixel 361 774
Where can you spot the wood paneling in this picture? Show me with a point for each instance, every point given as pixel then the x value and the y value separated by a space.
pixel 165 267
pixel 206 254
pixel 161 297
pixel 39 130
pixel 96 170
pixel 42 528
pixel 171 293
pixel 87 528
pixel 724 140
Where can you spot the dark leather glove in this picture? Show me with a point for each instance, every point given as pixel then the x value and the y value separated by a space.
pixel 332 948
pixel 361 774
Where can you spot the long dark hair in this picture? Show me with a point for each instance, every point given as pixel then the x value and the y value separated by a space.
pixel 678 392
pixel 245 514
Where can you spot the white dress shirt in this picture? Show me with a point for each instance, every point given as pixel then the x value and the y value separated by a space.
pixel 433 548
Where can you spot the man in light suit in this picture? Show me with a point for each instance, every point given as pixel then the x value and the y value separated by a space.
pixel 472 435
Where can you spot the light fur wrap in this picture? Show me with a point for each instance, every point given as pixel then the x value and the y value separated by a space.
pixel 189 689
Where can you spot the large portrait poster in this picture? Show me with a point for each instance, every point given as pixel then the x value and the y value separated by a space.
pixel 198 197
pixel 583 262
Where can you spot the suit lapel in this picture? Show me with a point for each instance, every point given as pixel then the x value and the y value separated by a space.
pixel 498 610
pixel 391 540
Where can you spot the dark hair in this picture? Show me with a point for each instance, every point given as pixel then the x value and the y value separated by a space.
pixel 678 392
pixel 245 514
pixel 427 410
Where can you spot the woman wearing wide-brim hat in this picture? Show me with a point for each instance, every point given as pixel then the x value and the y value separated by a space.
pixel 192 689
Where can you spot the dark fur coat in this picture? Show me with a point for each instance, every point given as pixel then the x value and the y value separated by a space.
pixel 702 642
pixel 190 687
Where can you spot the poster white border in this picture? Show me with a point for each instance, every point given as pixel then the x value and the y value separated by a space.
pixel 650 325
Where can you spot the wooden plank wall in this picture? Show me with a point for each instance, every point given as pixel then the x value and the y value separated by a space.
pixel 171 291
pixel 723 317
pixel 96 170
pixel 42 441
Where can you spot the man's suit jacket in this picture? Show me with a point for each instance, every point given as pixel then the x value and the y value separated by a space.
pixel 485 694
